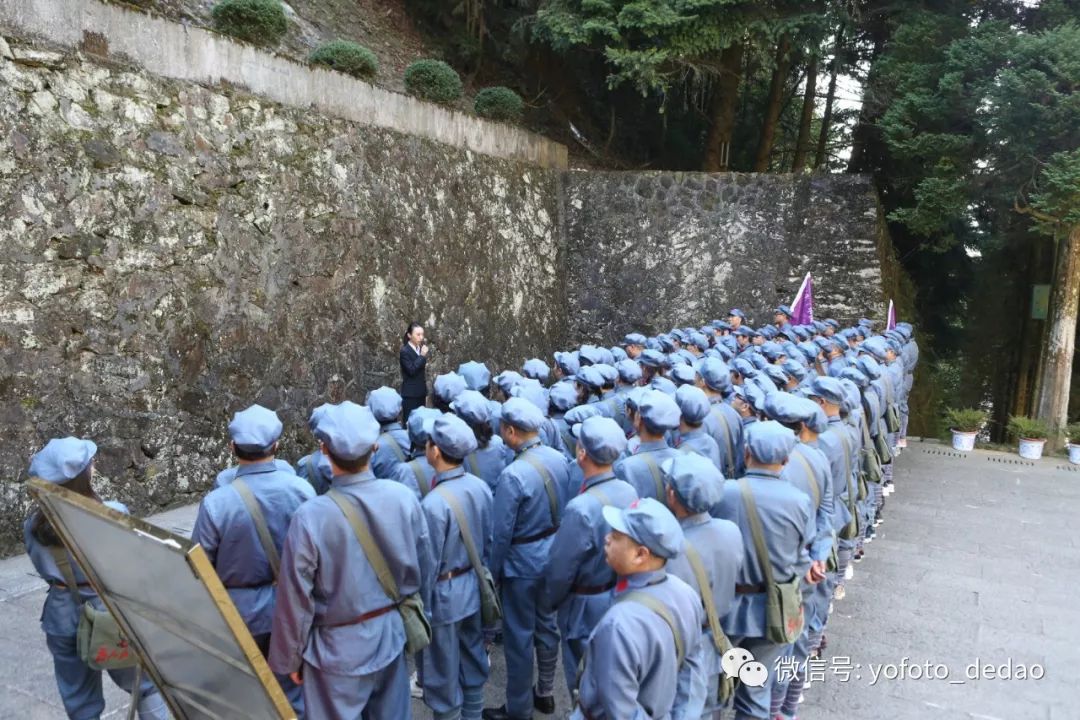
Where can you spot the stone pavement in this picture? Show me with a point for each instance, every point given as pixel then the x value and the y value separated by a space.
pixel 974 564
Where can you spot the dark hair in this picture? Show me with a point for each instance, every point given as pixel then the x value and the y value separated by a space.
pixel 652 429
pixel 449 459
pixel 409 331
pixel 482 431
pixel 41 529
pixel 795 427
pixel 589 392
pixel 349 466
pixel 249 453
pixel 441 405
pixel 692 424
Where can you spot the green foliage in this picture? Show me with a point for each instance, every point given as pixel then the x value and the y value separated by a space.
pixel 982 113
pixel 1023 427
pixel 499 103
pixel 433 80
pixel 965 419
pixel 647 44
pixel 258 21
pixel 1072 432
pixel 347 57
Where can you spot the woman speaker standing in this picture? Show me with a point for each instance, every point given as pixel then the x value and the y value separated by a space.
pixel 413 360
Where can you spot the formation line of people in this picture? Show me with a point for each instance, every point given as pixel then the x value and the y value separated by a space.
pixel 671 518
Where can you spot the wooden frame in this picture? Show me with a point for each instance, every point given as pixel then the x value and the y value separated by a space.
pixel 47 494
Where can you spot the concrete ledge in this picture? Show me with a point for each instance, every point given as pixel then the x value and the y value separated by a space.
pixel 176 51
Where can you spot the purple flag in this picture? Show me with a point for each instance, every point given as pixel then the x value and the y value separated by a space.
pixel 891 322
pixel 802 307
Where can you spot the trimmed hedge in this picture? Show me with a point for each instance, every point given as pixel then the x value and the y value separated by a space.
pixel 433 80
pixel 347 57
pixel 499 103
pixel 257 21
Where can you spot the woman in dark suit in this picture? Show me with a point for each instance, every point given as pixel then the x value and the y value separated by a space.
pixel 413 360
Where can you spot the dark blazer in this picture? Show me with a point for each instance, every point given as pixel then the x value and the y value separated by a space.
pixel 413 380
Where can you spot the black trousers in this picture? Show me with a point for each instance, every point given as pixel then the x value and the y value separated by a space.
pixel 408 404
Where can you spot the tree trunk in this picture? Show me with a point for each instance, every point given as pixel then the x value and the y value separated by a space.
pixel 802 142
pixel 1053 403
pixel 826 118
pixel 725 101
pixel 772 106
pixel 1030 340
pixel 866 137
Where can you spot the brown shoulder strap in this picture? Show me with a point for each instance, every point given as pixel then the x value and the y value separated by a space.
pixel 257 517
pixel 549 485
pixel 654 470
pixel 371 549
pixel 756 530
pixel 720 640
pixel 810 477
pixel 393 445
pixel 421 478
pixel 63 564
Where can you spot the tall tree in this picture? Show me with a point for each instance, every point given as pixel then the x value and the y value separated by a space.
pixel 985 126
pixel 830 98
pixel 773 105
pixel 806 117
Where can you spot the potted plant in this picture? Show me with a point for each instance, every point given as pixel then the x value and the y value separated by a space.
pixel 1073 432
pixel 1031 434
pixel 965 424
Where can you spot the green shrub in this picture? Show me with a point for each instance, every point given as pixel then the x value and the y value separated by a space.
pixel 433 80
pixel 965 419
pixel 499 103
pixel 1021 426
pixel 257 21
pixel 1072 431
pixel 347 57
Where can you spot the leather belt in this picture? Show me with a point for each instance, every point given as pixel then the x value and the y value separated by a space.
pixel 362 618
pixel 750 589
pixel 533 538
pixel 592 589
pixel 250 586
pixel 454 573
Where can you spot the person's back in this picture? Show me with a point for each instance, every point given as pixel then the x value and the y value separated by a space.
pixel 315 469
pixel 69 463
pixel 322 550
pixel 720 545
pixel 227 527
pixel 632 635
pixel 526 515
pixel 393 450
pixel 642 469
pixel 632 667
pixel 711 557
pixel 487 463
pixel 785 516
pixel 776 516
pixel 335 627
pixel 227 532
pixel 385 404
pixel 417 475
pixel 578 581
pixel 226 476
pixel 725 426
pixel 656 415
pixel 455 666
pixel 699 441
pixel 529 498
